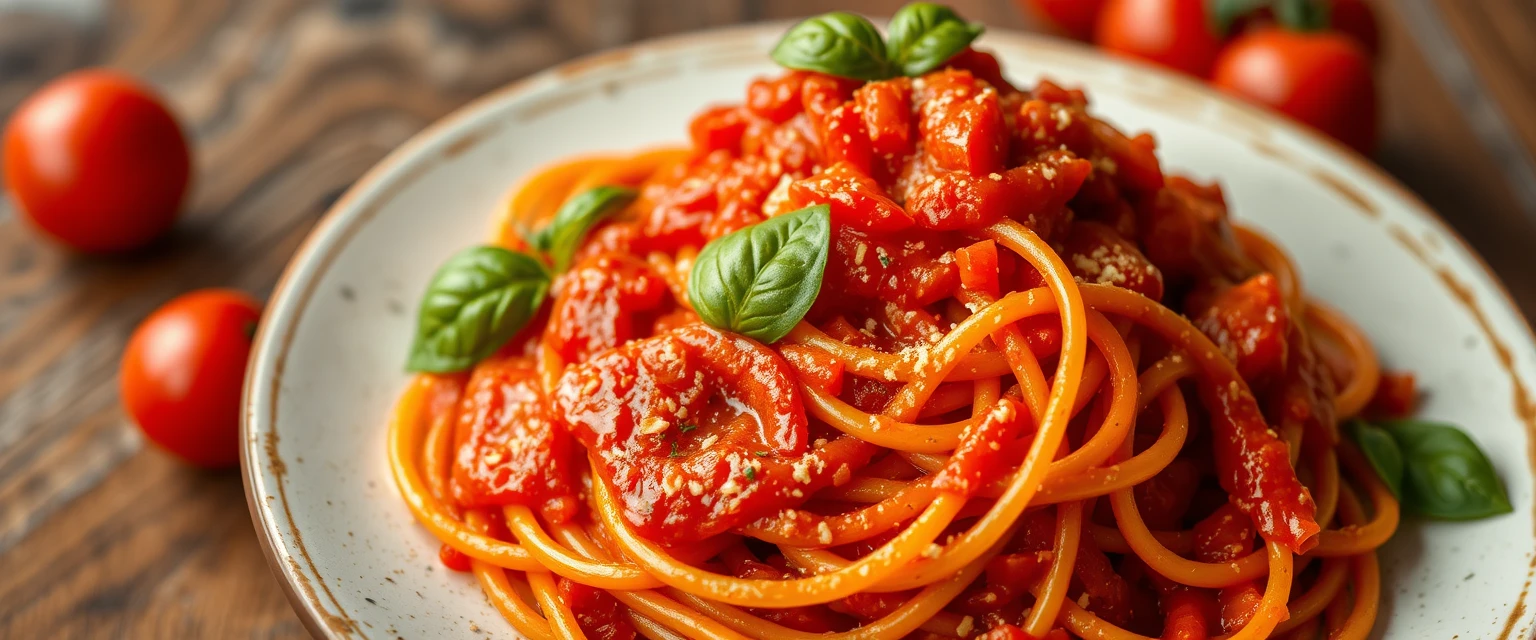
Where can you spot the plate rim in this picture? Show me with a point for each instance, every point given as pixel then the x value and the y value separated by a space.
pixel 345 217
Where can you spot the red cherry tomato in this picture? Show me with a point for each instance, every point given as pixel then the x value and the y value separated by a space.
pixel 1320 78
pixel 96 161
pixel 182 373
pixel 1354 18
pixel 1073 17
pixel 1173 33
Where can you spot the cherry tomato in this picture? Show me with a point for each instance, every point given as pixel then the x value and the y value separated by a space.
pixel 1173 33
pixel 1320 78
pixel 1355 19
pixel 1073 17
pixel 182 373
pixel 97 162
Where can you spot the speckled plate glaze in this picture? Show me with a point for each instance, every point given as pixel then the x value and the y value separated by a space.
pixel 328 360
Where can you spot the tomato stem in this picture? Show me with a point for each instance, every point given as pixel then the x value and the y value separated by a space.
pixel 1294 15
pixel 1225 13
pixel 1303 15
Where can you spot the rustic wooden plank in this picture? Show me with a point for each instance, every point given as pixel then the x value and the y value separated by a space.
pixel 178 560
pixel 288 108
pixel 289 102
pixel 1500 38
pixel 1430 143
pixel 1492 77
pixel 36 45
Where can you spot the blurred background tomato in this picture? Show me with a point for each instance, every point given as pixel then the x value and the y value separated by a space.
pixel 1312 60
pixel 1178 34
pixel 1075 18
pixel 182 372
pixel 1321 78
pixel 96 161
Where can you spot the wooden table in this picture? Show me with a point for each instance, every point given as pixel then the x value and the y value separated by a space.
pixel 290 101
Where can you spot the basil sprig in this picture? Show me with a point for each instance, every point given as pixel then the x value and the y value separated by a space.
pixel 1440 472
pixel 474 304
pixel 837 43
pixel 1381 451
pixel 761 280
pixel 483 295
pixel 575 218
pixel 923 36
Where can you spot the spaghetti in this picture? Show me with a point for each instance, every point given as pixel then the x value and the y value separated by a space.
pixel 1045 391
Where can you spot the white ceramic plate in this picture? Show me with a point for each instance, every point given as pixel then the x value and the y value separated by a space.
pixel 328 360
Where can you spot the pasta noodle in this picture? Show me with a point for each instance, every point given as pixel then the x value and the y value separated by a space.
pixel 1139 421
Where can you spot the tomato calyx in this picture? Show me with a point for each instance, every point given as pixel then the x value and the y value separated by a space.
pixel 1294 15
pixel 1302 15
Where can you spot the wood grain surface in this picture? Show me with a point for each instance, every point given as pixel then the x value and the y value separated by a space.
pixel 290 101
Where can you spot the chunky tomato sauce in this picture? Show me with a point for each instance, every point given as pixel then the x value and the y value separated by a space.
pixel 508 450
pixel 984 450
pixel 1224 536
pixel 599 614
pixel 701 432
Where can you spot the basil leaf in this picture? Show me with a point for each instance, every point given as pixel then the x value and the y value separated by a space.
pixel 475 303
pixel 924 35
pixel 575 218
pixel 761 280
pixel 837 43
pixel 1381 451
pixel 1445 475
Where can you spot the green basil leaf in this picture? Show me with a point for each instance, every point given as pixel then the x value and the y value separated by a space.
pixel 575 218
pixel 1445 475
pixel 1381 451
pixel 475 303
pixel 760 281
pixel 924 36
pixel 837 43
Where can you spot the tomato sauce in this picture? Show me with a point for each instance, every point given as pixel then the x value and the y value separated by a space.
pixel 985 452
pixel 1104 591
pixel 597 301
pixel 812 619
pixel 701 432
pixel 1248 322
pixel 600 615
pixel 507 448
pixel 1395 397
pixel 453 559
pixel 1225 536
pixel 1164 500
